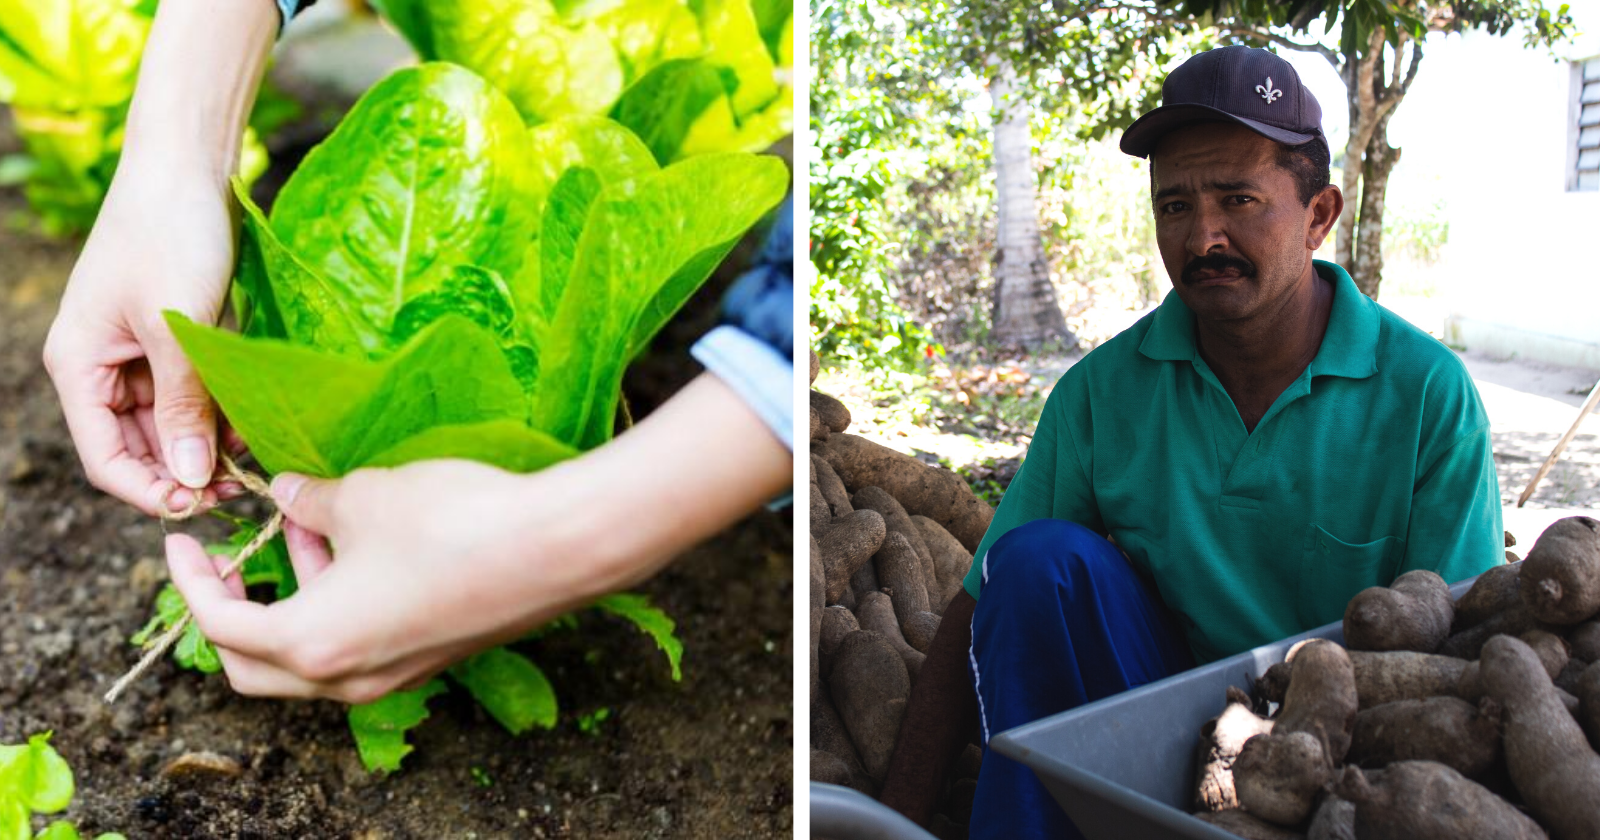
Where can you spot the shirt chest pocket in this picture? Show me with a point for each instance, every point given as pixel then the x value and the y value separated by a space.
pixel 1332 571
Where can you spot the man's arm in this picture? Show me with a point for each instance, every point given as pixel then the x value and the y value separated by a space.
pixel 1456 526
pixel 939 719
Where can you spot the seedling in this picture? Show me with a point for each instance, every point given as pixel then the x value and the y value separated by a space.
pixel 35 780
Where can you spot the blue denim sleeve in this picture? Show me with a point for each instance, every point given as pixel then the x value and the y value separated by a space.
pixel 753 349
pixel 289 8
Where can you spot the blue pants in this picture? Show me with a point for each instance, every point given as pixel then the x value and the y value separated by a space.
pixel 1063 620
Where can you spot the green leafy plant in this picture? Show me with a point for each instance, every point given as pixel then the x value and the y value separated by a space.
pixel 687 77
pixel 67 69
pixel 438 280
pixel 35 779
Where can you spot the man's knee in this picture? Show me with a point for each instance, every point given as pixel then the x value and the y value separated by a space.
pixel 1047 550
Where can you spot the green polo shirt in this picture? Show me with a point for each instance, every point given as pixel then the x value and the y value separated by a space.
pixel 1375 462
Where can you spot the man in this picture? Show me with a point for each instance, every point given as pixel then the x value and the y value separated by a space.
pixel 1260 448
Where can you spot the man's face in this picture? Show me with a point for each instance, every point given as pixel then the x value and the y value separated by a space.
pixel 1232 231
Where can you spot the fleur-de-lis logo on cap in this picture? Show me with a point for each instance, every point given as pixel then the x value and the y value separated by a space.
pixel 1268 92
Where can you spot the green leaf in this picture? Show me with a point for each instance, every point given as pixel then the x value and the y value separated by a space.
pixel 297 302
pixel 615 154
pixel 663 106
pixel 428 172
pixel 35 775
pixel 522 47
pixel 506 444
pixel 565 214
pixel 195 651
pixel 648 32
pixel 635 242
pixel 68 55
pixel 477 294
pixel 325 415
pixel 411 18
pixel 636 608
pixel 735 40
pixel 510 687
pixel 58 830
pixel 380 727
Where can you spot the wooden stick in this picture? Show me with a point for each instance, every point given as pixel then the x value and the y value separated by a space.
pixel 1588 405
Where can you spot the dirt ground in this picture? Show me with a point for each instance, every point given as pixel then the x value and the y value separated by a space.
pixel 708 757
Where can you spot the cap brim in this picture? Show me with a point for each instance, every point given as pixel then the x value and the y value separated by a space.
pixel 1146 132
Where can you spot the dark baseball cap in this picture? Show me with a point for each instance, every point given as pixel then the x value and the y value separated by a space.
pixel 1248 86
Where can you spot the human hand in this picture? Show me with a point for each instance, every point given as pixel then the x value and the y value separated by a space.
pixel 440 559
pixel 142 421
pixel 429 570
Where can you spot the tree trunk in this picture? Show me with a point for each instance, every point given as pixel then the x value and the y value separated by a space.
pixel 1380 161
pixel 1361 79
pixel 1026 312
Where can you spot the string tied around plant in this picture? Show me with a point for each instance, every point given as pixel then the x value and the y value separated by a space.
pixel 253 484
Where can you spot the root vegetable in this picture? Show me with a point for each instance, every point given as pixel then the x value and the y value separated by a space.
pixel 821 517
pixel 819 429
pixel 829 768
pixel 1422 800
pixel 1550 648
pixel 832 488
pixel 1512 621
pixel 1560 580
pixel 1550 760
pixel 951 561
pixel 876 615
pixel 1446 730
pixel 837 622
pixel 848 599
pixel 1495 591
pixel 1278 777
pixel 900 574
pixel 848 545
pixel 920 630
pixel 1335 820
pixel 897 520
pixel 816 367
pixel 1221 739
pixel 828 735
pixel 833 413
pixel 1249 827
pixel 863 581
pixel 1585 641
pixel 1588 691
pixel 1413 613
pixel 819 586
pixel 1381 677
pixel 870 686
pixel 1321 699
pixel 934 492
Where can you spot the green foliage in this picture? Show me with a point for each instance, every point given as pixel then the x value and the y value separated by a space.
pixel 380 727
pixel 67 69
pixel 688 77
pixel 35 779
pixel 589 722
pixel 436 280
pixel 654 623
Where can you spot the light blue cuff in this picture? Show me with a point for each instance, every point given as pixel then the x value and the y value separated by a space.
pixel 287 9
pixel 759 374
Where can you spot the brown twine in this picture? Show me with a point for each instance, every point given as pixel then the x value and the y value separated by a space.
pixel 251 482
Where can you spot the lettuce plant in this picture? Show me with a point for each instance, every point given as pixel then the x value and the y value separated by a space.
pixel 35 779
pixel 439 280
pixel 67 69
pixel 687 76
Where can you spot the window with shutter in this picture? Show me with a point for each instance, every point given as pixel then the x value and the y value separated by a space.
pixel 1584 174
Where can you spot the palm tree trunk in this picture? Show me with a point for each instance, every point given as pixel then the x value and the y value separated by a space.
pixel 1026 312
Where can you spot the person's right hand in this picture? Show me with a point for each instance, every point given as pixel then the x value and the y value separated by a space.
pixel 136 409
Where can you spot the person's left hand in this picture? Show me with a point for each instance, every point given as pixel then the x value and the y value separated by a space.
pixel 430 569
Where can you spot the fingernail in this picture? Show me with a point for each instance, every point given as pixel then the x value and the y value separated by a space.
pixel 285 487
pixel 191 462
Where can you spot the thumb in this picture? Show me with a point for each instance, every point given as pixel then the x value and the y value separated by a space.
pixel 185 416
pixel 306 501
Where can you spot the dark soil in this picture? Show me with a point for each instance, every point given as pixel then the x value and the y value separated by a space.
pixel 707 757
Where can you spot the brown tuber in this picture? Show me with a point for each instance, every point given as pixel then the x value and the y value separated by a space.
pixel 1550 761
pixel 1278 777
pixel 1335 820
pixel 877 615
pixel 920 630
pixel 1241 824
pixel 837 622
pixel 833 413
pixel 1413 613
pixel 1422 800
pixel 849 544
pixel 1221 739
pixel 896 520
pixel 1560 580
pixel 1446 730
pixel 870 686
pixel 899 575
pixel 934 492
pixel 832 488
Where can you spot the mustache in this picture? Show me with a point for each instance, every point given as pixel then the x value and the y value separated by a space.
pixel 1217 262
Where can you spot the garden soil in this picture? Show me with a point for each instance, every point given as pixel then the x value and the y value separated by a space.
pixel 708 757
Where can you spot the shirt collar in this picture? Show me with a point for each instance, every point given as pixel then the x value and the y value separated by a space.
pixel 1349 347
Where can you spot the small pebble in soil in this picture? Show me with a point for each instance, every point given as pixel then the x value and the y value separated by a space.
pixel 152 809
